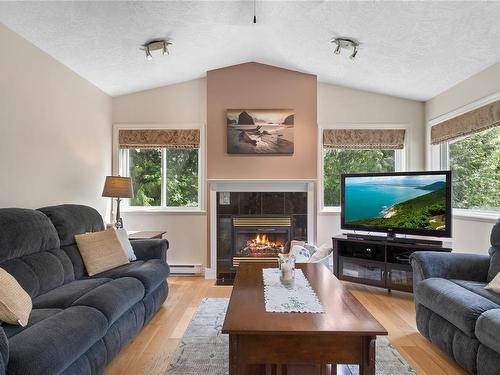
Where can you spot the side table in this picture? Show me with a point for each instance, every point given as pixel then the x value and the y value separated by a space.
pixel 145 235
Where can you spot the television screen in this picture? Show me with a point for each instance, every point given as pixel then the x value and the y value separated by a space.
pixel 411 202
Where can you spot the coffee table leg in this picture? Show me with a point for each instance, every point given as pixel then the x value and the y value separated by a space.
pixel 233 355
pixel 367 367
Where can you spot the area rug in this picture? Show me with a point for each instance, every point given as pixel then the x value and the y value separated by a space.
pixel 204 349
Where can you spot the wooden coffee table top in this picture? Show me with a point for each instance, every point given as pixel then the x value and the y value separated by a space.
pixel 344 314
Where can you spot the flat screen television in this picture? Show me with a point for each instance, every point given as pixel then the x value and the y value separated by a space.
pixel 416 203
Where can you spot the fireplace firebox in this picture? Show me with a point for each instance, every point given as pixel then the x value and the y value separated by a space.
pixel 259 237
pixel 256 227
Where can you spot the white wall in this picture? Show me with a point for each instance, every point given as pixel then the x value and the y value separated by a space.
pixel 183 103
pixel 339 106
pixel 55 131
pixel 186 103
pixel 470 234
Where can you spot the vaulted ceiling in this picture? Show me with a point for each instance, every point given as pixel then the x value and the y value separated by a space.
pixel 409 49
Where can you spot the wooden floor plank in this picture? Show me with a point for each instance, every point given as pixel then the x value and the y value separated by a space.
pixel 151 350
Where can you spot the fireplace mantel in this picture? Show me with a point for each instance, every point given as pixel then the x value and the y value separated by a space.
pixel 257 185
pixel 238 185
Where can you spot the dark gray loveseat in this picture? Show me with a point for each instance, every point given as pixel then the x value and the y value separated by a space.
pixel 454 311
pixel 78 323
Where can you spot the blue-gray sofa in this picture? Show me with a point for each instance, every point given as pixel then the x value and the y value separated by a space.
pixel 454 311
pixel 78 323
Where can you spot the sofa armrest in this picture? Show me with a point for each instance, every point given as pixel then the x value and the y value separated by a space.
pixel 150 249
pixel 427 264
pixel 4 352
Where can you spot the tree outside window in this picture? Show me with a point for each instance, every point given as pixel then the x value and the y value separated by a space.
pixel 339 161
pixel 182 177
pixel 475 165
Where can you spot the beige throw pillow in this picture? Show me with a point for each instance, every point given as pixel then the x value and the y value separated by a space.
pixel 100 251
pixel 494 285
pixel 15 303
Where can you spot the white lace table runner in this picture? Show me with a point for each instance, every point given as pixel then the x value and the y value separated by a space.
pixel 299 297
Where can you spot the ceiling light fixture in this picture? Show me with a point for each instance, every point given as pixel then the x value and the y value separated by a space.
pixel 254 14
pixel 346 43
pixel 148 53
pixel 354 53
pixel 155 45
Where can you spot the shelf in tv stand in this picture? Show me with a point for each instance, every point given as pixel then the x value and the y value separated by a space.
pixel 382 263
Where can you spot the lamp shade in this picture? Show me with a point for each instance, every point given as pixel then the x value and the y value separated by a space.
pixel 118 187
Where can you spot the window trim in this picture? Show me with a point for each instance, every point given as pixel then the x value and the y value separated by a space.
pixel 441 151
pixel 400 156
pixel 438 158
pixel 117 167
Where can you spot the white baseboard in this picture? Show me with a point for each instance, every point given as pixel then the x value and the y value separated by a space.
pixel 186 269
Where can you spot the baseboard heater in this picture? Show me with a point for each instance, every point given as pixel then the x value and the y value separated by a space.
pixel 186 269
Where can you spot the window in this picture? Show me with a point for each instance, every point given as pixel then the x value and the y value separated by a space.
pixel 468 143
pixel 358 150
pixel 145 170
pixel 166 177
pixel 339 161
pixel 475 164
pixel 164 166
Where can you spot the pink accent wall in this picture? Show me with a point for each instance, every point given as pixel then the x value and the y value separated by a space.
pixel 258 86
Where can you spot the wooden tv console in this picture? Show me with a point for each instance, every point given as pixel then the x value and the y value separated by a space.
pixel 376 262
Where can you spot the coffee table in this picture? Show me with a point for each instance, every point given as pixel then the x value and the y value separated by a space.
pixel 299 343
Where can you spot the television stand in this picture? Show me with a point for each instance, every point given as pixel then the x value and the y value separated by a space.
pixel 392 238
pixel 377 260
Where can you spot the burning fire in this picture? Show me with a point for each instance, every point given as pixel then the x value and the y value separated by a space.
pixel 262 245
pixel 260 240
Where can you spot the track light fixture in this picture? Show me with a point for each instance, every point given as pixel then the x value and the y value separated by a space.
pixel 155 45
pixel 148 53
pixel 254 13
pixel 354 53
pixel 346 43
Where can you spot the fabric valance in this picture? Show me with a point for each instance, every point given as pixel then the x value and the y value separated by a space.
pixel 156 138
pixel 479 119
pixel 364 139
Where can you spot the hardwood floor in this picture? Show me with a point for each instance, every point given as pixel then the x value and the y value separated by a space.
pixel 150 350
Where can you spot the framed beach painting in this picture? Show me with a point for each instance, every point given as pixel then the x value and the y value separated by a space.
pixel 260 131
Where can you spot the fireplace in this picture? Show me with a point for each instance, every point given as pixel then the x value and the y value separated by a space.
pixel 256 227
pixel 259 237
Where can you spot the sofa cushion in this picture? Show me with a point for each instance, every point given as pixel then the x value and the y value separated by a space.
pixel 65 295
pixel 488 329
pixel 76 260
pixel 41 272
pixel 488 361
pixel 150 273
pixel 119 271
pixel 494 251
pixel 66 264
pixel 36 316
pixel 113 298
pixel 56 342
pixel 72 219
pixel 478 288
pixel 459 306
pixel 24 232
pixel 4 352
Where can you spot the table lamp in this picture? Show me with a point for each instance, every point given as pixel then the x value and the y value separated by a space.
pixel 118 187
